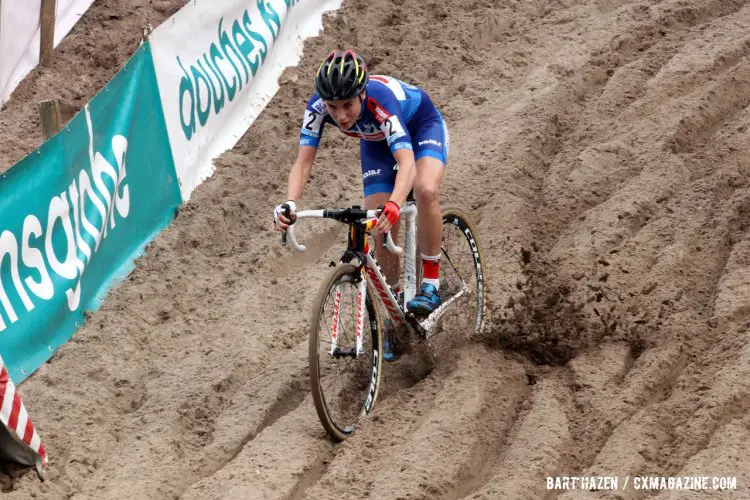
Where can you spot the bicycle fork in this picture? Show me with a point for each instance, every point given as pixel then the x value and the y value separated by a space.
pixel 361 298
pixel 360 304
pixel 336 321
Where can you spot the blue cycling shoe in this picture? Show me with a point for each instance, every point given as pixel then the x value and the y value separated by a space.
pixel 425 302
pixel 388 354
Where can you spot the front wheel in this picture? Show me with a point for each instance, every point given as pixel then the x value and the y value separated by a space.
pixel 345 351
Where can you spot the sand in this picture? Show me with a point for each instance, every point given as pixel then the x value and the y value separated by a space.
pixel 602 149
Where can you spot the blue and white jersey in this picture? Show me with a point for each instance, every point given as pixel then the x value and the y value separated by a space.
pixel 392 111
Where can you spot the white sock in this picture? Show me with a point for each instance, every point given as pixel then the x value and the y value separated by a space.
pixel 433 282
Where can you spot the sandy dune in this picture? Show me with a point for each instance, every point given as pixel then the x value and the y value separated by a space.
pixel 603 149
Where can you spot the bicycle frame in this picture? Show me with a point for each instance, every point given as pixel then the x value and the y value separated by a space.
pixel 359 247
pixel 362 222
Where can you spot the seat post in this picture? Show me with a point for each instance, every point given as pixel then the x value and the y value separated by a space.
pixel 410 256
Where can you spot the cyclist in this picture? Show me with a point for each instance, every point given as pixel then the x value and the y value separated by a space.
pixel 403 146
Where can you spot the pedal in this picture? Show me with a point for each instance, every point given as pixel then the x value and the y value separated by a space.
pixel 415 324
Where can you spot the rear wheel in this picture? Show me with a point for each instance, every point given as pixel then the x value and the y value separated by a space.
pixel 345 376
pixel 461 274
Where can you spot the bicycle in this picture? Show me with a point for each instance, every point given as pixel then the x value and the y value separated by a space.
pixel 339 319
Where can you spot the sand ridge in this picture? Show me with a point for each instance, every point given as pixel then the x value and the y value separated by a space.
pixel 602 149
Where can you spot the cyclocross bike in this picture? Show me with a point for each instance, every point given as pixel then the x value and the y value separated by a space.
pixel 346 329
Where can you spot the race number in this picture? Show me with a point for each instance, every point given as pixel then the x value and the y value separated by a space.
pixel 392 128
pixel 312 122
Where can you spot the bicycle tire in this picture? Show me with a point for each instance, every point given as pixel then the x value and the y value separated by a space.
pixel 339 431
pixel 453 216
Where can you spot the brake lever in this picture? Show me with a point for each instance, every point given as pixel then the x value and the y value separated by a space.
pixel 283 234
pixel 287 213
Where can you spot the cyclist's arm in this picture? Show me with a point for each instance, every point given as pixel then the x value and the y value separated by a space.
pixel 300 173
pixel 310 134
pixel 407 172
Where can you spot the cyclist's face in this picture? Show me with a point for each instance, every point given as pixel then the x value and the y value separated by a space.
pixel 345 111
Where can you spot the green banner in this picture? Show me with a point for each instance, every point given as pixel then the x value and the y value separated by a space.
pixel 76 213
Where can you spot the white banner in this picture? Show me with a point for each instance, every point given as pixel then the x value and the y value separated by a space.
pixel 217 66
pixel 20 36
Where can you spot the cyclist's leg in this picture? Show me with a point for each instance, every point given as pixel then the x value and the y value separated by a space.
pixel 431 152
pixel 427 193
pixel 378 178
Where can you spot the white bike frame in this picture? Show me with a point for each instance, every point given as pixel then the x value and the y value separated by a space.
pixel 408 215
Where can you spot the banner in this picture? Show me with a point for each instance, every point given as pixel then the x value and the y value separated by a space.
pixel 20 36
pixel 75 213
pixel 218 65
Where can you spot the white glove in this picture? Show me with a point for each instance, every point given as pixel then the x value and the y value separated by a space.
pixel 280 222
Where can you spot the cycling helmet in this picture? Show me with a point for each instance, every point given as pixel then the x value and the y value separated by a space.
pixel 342 75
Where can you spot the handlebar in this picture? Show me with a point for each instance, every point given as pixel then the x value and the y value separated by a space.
pixel 336 214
